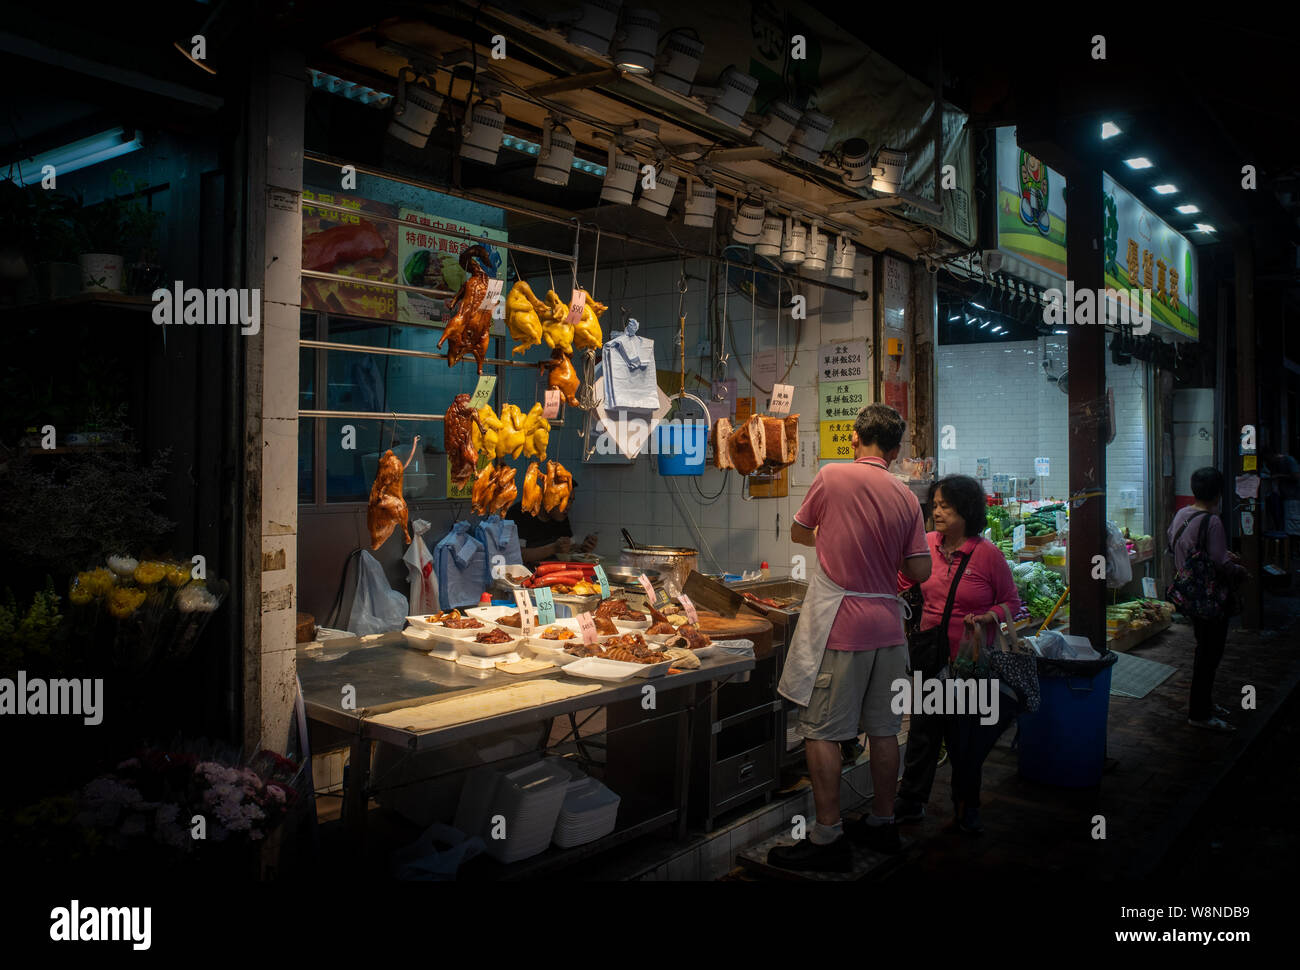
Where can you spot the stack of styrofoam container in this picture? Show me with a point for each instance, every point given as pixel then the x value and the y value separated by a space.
pixel 589 812
pixel 514 812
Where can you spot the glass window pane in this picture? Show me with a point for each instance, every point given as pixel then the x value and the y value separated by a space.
pixel 306 461
pixel 350 471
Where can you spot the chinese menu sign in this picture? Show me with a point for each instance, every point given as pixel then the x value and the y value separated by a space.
pixel 428 257
pixel 840 403
pixel 349 245
pixel 846 361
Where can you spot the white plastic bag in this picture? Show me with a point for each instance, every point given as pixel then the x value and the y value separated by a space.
pixel 1050 644
pixel 376 607
pixel 419 569
pixel 1119 570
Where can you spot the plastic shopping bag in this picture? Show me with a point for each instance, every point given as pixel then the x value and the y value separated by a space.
pixel 1119 570
pixel 376 607
pixel 423 596
pixel 970 660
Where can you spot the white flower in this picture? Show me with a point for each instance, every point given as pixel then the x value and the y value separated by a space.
pixel 195 599
pixel 124 566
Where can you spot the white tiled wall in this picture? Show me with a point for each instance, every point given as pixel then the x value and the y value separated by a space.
pixel 732 534
pixel 998 401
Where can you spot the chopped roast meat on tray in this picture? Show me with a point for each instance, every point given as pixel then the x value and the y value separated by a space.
pixel 492 636
pixel 604 625
pixel 511 619
pixel 462 623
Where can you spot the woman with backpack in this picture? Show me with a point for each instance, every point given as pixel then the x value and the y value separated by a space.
pixel 1205 575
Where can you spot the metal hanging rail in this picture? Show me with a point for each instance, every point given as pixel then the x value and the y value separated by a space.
pixel 401 352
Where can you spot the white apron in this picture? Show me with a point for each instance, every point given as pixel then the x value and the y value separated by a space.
pixel 803 661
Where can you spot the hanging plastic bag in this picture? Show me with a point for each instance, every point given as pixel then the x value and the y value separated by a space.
pixel 423 597
pixel 1119 570
pixel 376 607
pixel 971 660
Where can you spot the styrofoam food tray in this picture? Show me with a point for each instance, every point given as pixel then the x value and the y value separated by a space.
pixel 490 614
pixel 594 668
pixel 629 626
pixel 492 649
pixel 552 650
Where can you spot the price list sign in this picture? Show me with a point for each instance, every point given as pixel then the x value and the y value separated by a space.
pixel 845 361
pixel 840 403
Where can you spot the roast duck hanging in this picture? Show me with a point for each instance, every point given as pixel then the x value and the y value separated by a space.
pixel 461 425
pixel 470 326
pixel 387 507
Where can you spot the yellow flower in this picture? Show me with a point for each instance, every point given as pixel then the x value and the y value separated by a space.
pixel 124 601
pixel 97 582
pixel 78 593
pixel 149 573
pixel 177 576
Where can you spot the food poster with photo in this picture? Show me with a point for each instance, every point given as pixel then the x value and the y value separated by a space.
pixel 1030 207
pixel 349 245
pixel 1143 252
pixel 427 256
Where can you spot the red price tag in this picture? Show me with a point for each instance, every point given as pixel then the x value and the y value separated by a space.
pixel 587 627
pixel 649 589
pixel 576 303
pixel 551 410
pixel 689 607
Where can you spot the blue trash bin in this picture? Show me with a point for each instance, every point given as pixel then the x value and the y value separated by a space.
pixel 1064 742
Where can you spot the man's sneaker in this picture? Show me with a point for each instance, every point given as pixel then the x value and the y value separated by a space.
pixel 881 838
pixel 806 856
pixel 1213 724
pixel 906 810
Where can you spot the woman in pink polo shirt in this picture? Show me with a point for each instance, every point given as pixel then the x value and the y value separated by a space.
pixel 959 515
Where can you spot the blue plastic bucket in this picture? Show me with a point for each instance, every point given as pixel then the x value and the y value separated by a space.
pixel 681 447
pixel 1064 743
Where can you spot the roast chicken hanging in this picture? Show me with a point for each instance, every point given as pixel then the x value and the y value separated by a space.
pixel 460 426
pixel 387 507
pixel 531 501
pixel 561 375
pixel 524 315
pixel 468 330
pixel 586 332
pixel 558 490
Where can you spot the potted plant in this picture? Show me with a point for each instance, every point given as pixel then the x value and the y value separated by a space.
pixel 121 225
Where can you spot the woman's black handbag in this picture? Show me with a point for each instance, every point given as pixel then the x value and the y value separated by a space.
pixel 928 650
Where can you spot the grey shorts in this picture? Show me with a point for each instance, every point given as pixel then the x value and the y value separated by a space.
pixel 853 694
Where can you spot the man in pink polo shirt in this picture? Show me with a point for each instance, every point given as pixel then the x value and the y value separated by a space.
pixel 850 645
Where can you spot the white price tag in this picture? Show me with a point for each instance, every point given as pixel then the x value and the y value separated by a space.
pixel 1062 521
pixel 576 303
pixel 482 391
pixel 1149 587
pixel 493 300
pixel 782 399
pixel 1018 538
pixel 689 607
pixel 551 408
pixel 527 616
pixel 1043 467
pixel 587 627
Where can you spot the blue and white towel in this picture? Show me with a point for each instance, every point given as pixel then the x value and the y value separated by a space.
pixel 500 537
pixel 628 364
pixel 461 564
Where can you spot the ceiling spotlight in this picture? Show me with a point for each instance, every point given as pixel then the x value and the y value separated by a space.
pixel 843 257
pixel 769 243
pixel 1188 209
pixel 485 126
pixel 682 53
pixel 636 41
pixel 985 323
pixel 593 28
pixel 747 228
pixel 620 177
pixel 855 163
pixel 1109 130
pixel 778 126
pixel 952 318
pixel 555 160
pixel 974 304
pixel 1139 162
pixel 887 172
pixel 1205 227
pixel 701 203
pixel 731 97
pixel 660 197
pixel 996 330
pixel 1166 189
pixel 794 242
pixel 818 243
pixel 415 111
pixel 810 136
